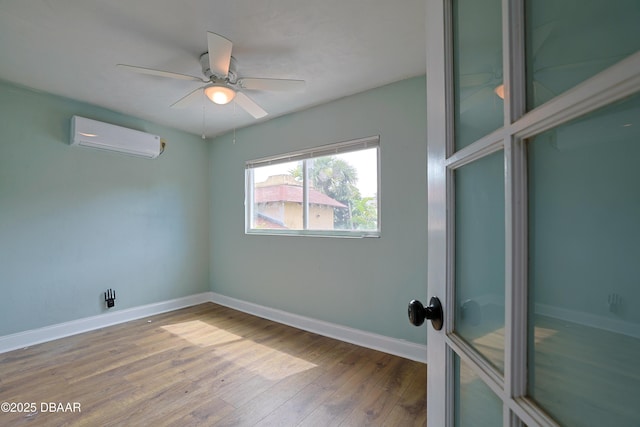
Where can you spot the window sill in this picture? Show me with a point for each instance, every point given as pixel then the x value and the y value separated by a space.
pixel 316 233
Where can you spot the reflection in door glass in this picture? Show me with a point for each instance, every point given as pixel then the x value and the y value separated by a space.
pixel 475 404
pixel 584 269
pixel 477 66
pixel 479 257
pixel 568 42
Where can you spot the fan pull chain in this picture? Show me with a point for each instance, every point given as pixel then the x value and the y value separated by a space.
pixel 203 109
pixel 234 120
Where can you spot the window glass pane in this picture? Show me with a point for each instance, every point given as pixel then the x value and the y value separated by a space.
pixel 569 41
pixel 334 193
pixel 477 67
pixel 479 261
pixel 343 192
pixel 584 228
pixel 475 404
pixel 277 197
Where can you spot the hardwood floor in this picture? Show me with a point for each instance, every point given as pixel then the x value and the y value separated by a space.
pixel 209 365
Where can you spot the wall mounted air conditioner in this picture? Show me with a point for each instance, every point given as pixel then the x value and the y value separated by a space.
pixel 105 136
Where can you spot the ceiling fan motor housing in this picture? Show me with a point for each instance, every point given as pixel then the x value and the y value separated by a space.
pixel 231 78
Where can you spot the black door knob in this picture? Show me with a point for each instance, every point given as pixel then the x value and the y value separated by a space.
pixel 417 313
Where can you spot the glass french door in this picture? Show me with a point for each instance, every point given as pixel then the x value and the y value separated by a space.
pixel 533 121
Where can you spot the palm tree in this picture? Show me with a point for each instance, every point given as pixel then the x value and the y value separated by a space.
pixel 337 179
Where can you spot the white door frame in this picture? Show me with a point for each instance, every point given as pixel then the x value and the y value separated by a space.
pixel 615 83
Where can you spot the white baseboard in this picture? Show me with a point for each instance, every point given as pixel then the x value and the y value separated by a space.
pixel 402 348
pixel 610 324
pixel 597 321
pixel 61 330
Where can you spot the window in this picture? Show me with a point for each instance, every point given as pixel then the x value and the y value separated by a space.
pixel 331 190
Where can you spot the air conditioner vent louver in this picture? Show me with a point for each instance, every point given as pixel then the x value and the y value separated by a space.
pixel 104 136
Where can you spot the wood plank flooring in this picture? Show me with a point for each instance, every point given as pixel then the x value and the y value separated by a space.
pixel 209 365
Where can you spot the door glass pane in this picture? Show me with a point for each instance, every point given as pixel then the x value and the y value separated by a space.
pixel 479 257
pixel 477 66
pixel 475 404
pixel 584 271
pixel 569 41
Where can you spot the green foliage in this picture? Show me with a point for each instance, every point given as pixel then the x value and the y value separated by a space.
pixel 364 214
pixel 337 179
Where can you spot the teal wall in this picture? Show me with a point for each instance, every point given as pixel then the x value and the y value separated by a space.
pixel 74 221
pixel 359 283
pixel 584 216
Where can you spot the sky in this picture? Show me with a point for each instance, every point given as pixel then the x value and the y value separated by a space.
pixel 364 161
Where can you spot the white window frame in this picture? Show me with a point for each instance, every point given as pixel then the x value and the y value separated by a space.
pixel 306 154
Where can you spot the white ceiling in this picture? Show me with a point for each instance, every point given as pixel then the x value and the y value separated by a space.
pixel 340 47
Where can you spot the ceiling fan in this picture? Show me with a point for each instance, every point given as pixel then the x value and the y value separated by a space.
pixel 549 75
pixel 222 82
pixel 477 90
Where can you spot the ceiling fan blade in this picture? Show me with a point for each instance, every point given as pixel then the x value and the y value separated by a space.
pixel 284 85
pixel 541 92
pixel 188 98
pixel 475 79
pixel 219 54
pixel 478 99
pixel 594 63
pixel 540 36
pixel 160 73
pixel 249 105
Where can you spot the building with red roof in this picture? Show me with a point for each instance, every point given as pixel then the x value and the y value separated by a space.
pixel 278 204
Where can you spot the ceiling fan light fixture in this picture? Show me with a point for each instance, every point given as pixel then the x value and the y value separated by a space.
pixel 220 94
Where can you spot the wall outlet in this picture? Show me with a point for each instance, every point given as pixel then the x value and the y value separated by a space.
pixel 615 301
pixel 110 298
